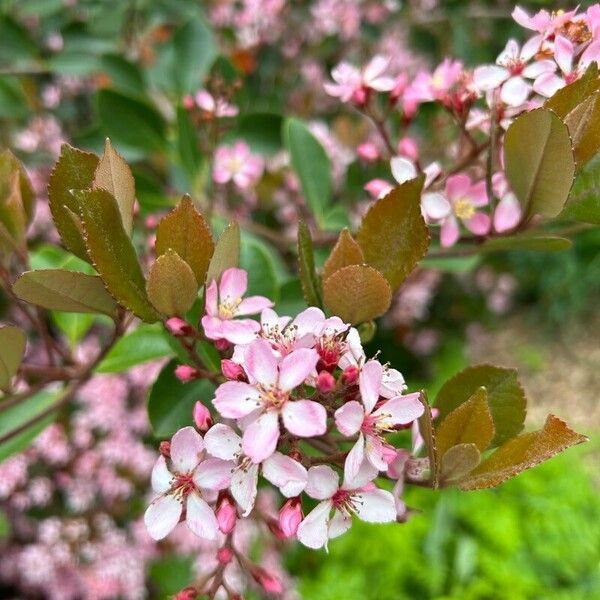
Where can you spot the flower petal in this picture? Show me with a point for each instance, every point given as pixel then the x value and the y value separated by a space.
pixel 489 77
pixel 200 517
pixel 515 91
pixel 285 473
pixel 339 524
pixel 161 476
pixel 479 223
pixel 313 531
pixel 244 487
pixel 349 418
pixel 401 410
pixel 369 383
pixel 449 232
pixel 260 438
pixel 214 474
pixel 253 305
pixel 507 214
pixel 375 506
pixel 435 206
pixel 235 399
pixel 322 482
pixel 237 331
pixel 403 169
pixel 354 460
pixel 233 284
pixel 304 418
pixel 223 442
pixel 212 299
pixel 162 515
pixel 296 367
pixel 186 450
pixel 261 363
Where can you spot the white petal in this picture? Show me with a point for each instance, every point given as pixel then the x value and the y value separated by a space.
pixel 186 450
pixel 161 476
pixel 214 474
pixel 223 442
pixel 401 410
pixel 489 77
pixel 349 418
pixel 375 506
pixel 322 482
pixel 162 515
pixel 435 205
pixel 200 517
pixel 235 399
pixel 285 473
pixel 366 474
pixel 354 460
pixel 243 488
pixel 403 169
pixel 261 363
pixel 313 531
pixel 339 524
pixel 304 418
pixel 515 91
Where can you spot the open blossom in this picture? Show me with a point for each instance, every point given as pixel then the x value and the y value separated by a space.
pixel 269 396
pixel 181 485
pixel 544 23
pixel 373 419
pixel 218 107
pixel 225 302
pixel 353 84
pixel 333 515
pixel 237 164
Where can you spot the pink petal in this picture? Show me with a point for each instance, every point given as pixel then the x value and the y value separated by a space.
pixel 478 194
pixel 402 409
pixel 548 84
pixel 235 399
pixel 458 186
pixel 590 54
pixel 260 438
pixel 223 442
pixel 369 383
pixel 378 188
pixel 200 517
pixel 239 331
pixel 435 206
pixel 261 363
pixel 212 299
pixel 162 516
pixel 285 473
pixel 296 367
pixel 521 17
pixel 479 223
pixel 304 418
pixel 253 305
pixel 322 482
pixel 531 47
pixel 270 319
pixel 376 506
pixel 308 320
pixel 366 473
pixel 244 488
pixel 563 53
pixel 538 67
pixel 507 214
pixel 313 531
pixel 349 418
pixel 161 476
pixel 489 77
pixel 214 474
pixel 354 460
pixel 213 327
pixel 376 67
pixel 403 169
pixel 383 84
pixel 449 233
pixel 515 91
pixel 375 453
pixel 186 450
pixel 233 285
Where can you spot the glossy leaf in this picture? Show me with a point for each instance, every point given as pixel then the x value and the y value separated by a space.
pixel 69 291
pixel 114 175
pixel 505 396
pixel 584 202
pixel 584 127
pixel 357 293
pixel 74 171
pixel 259 257
pixel 171 286
pixel 393 235
pixel 171 402
pixel 572 95
pixel 12 348
pixel 311 289
pixel 112 252
pixel 521 453
pixel 345 252
pixel 187 144
pixel 538 243
pixel 458 461
pixel 226 254
pixel 539 162
pixel 185 231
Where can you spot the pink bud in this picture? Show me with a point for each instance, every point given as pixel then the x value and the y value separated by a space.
pixel 202 417
pixel 325 382
pixel 188 102
pixel 377 187
pixel 367 151
pixel 350 375
pixel 224 555
pixel 268 581
pixel 151 222
pixel 274 528
pixel 226 512
pixel 290 516
pixel 232 370
pixel 165 449
pixel 179 327
pixel 399 88
pixel 186 373
pixel 408 147
pixel 188 593
pixel 222 345
pixel 360 96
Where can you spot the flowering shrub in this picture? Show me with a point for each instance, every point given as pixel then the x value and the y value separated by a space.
pixel 274 422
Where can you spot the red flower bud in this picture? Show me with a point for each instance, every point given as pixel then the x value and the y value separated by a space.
pixel 222 345
pixel 268 581
pixel 188 593
pixel 226 512
pixel 232 370
pixel 290 517
pixel 178 327
pixel 186 373
pixel 224 555
pixel 350 375
pixel 325 382
pixel 202 417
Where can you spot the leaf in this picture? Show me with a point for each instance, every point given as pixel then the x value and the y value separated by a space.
pixel 261 131
pixel 146 343
pixel 505 396
pixel 185 231
pixel 470 423
pixel 584 202
pixel 10 164
pixel 539 162
pixel 12 212
pixel 114 175
pixel 539 243
pixel 458 461
pixel 171 286
pixel 428 433
pixel 171 402
pixel 567 98
pixel 345 252
pixel 112 252
pixel 258 257
pixel 357 293
pixel 12 348
pixel 132 122
pixel 74 171
pixel 393 235
pixel 226 254
pixel 311 164
pixel 584 127
pixel 187 144
pixel 124 74
pixel 521 453
pixel 311 290
pixel 69 291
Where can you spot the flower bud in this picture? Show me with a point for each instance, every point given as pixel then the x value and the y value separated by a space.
pixel 268 581
pixel 224 555
pixel 290 517
pixel 226 512
pixel 350 375
pixel 178 327
pixel 188 102
pixel 325 382
pixel 186 373
pixel 222 345
pixel 408 147
pixel 232 370
pixel 188 593
pixel 367 151
pixel 165 449
pixel 202 417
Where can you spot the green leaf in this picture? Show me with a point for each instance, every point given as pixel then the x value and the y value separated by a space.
pixel 147 342
pixel 458 461
pixel 539 162
pixel 521 453
pixel 69 291
pixel 73 325
pixel 171 402
pixel 132 122
pixel 427 431
pixel 311 164
pixel 261 131
pixel 185 231
pixel 171 286
pixel 311 289
pixel 258 257
pixel 584 127
pixel 73 171
pixel 506 398
pixel 112 252
pixel 346 252
pixel 584 203
pixel 114 175
pixel 12 348
pixel 226 254
pixel 539 243
pixel 357 293
pixel 124 74
pixel 393 235
pixel 572 95
pixel 187 144
pixel 10 164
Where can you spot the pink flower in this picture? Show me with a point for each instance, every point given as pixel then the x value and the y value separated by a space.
pixel 543 22
pixel 373 419
pixel 225 302
pixel 429 87
pixel 460 200
pixel 237 164
pixel 333 515
pixel 218 107
pixel 182 483
pixel 269 395
pixel 353 84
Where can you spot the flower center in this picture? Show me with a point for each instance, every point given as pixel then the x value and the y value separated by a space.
pixel 463 208
pixel 235 164
pixel 272 397
pixel 345 502
pixel 182 485
pixel 228 308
